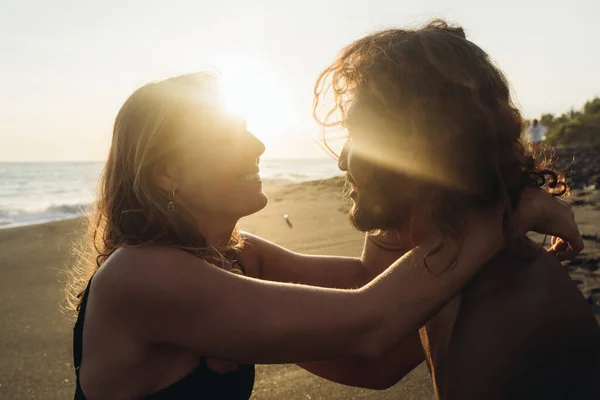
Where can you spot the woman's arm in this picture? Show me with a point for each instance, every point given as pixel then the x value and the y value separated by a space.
pixel 538 211
pixel 180 300
pixel 269 261
pixel 381 372
pixel 372 373
pixel 379 251
pixel 345 273
pixel 266 260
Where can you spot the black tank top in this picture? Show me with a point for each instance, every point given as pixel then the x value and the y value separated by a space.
pixel 201 383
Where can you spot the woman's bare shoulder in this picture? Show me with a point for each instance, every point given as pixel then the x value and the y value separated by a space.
pixel 146 253
pixel 139 267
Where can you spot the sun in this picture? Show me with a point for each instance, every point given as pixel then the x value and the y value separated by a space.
pixel 256 92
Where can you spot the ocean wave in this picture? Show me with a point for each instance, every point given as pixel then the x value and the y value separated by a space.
pixel 285 178
pixel 18 217
pixel 53 208
pixel 68 208
pixel 33 193
pixel 29 214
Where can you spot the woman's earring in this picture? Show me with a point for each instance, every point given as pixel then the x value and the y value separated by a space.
pixel 171 204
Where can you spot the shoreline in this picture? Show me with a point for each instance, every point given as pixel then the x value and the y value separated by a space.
pixel 36 223
pixel 269 184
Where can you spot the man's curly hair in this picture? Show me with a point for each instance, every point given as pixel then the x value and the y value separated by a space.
pixel 437 94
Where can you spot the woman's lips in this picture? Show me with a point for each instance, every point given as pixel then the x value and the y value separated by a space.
pixel 254 177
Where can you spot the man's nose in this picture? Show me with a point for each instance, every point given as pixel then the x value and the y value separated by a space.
pixel 343 160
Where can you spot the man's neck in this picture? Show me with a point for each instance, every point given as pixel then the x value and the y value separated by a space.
pixel 415 231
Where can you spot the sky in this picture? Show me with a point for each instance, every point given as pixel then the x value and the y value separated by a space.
pixel 66 67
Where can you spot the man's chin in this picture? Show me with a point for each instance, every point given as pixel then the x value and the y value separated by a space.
pixel 361 221
pixel 378 218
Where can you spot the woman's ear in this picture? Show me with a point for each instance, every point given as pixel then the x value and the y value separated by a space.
pixel 166 176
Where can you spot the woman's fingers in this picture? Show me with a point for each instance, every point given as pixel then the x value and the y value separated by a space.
pixel 575 242
pixel 555 217
pixel 562 250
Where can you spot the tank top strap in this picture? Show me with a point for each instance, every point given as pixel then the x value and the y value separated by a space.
pixel 78 329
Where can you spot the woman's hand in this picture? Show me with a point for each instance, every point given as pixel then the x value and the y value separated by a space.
pixel 391 240
pixel 541 212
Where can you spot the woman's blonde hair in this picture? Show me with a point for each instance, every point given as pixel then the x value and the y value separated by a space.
pixel 130 208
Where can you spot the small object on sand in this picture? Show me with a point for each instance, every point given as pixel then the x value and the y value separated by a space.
pixel 287 220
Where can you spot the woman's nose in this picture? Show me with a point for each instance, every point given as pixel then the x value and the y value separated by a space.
pixel 260 146
pixel 252 145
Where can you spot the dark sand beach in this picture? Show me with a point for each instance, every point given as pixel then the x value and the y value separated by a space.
pixel 35 337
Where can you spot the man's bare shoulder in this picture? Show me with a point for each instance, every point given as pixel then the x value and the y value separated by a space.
pixel 536 290
pixel 508 303
pixel 523 326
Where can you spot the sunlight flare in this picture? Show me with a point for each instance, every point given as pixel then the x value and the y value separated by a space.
pixel 255 91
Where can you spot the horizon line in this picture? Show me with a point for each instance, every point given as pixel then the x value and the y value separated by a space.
pixel 324 157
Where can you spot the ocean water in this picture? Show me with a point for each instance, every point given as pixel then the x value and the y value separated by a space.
pixel 32 193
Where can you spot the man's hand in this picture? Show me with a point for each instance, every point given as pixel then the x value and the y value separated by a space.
pixel 541 212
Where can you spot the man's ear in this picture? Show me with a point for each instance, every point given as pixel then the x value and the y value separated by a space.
pixel 166 176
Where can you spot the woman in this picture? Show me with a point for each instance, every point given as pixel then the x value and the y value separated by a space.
pixel 170 314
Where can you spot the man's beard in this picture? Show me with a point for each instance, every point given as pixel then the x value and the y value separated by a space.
pixel 372 210
pixel 363 220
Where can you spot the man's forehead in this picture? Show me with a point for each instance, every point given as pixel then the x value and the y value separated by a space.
pixel 358 113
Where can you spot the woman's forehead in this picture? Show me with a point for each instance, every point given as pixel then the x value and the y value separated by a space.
pixel 215 121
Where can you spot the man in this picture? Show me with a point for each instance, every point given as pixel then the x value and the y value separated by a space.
pixel 435 140
pixel 536 134
pixel 433 133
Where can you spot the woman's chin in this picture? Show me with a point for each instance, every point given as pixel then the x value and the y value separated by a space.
pixel 254 205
